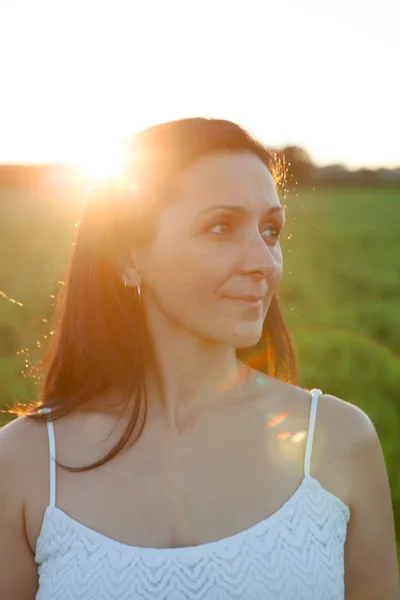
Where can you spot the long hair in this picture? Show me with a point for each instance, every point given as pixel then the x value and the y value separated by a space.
pixel 99 343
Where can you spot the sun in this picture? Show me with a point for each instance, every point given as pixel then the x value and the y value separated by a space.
pixel 100 163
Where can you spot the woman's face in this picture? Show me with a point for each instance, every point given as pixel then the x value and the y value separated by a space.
pixel 216 248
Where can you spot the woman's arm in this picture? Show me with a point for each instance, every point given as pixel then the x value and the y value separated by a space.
pixel 371 567
pixel 18 570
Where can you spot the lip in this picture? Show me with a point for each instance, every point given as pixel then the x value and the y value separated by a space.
pixel 249 301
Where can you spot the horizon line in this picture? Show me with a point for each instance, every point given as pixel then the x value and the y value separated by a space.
pixel 71 164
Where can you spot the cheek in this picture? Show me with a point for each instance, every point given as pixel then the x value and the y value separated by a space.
pixel 177 274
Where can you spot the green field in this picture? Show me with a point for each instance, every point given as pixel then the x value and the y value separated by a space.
pixel 340 295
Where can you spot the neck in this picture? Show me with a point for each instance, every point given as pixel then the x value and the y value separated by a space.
pixel 188 374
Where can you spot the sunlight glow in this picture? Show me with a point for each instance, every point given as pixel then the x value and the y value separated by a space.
pixel 277 419
pixel 126 70
pixel 100 162
pixel 297 437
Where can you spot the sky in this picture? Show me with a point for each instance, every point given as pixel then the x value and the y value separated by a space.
pixel 80 76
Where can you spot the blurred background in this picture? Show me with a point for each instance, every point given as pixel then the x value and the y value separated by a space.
pixel 317 80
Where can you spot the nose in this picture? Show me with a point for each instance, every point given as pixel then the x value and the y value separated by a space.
pixel 259 258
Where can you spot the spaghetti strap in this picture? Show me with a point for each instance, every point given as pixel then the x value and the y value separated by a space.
pixel 315 394
pixel 52 458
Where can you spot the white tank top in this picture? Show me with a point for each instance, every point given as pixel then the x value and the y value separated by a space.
pixel 297 553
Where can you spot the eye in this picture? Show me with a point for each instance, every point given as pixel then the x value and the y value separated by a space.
pixel 276 230
pixel 224 227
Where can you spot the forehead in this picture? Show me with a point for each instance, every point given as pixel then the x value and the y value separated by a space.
pixel 226 177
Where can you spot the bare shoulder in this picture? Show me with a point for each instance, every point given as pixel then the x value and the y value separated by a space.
pixel 21 443
pixel 337 414
pixel 354 435
pixel 371 562
pixel 19 437
pixel 341 421
pixel 355 423
pixel 349 425
pixel 346 428
pixel 343 433
pixel 23 446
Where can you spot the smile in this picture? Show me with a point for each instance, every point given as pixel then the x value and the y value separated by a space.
pixel 250 302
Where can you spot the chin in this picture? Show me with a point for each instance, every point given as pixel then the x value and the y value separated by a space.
pixel 245 337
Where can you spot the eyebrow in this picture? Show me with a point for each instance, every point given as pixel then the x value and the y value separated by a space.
pixel 235 208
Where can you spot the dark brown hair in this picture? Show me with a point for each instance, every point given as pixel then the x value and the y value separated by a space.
pixel 99 342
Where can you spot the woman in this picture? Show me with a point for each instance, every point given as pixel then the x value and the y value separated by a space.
pixel 171 383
